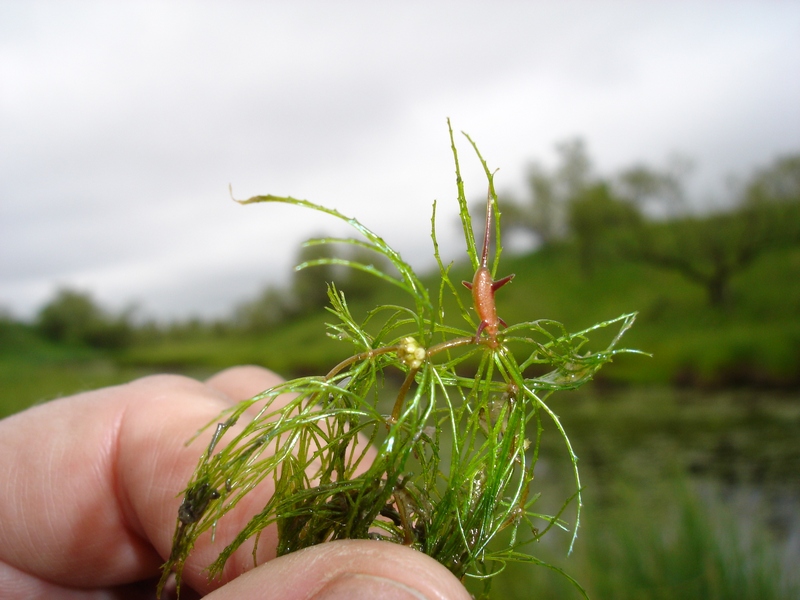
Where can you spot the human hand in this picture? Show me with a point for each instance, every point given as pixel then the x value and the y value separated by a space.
pixel 90 498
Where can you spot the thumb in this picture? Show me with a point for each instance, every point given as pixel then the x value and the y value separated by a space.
pixel 347 569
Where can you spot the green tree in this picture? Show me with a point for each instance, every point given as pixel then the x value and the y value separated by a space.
pixel 600 223
pixel 771 199
pixel 74 317
pixel 545 213
pixel 356 283
pixel 309 285
pixel 711 249
pixel 264 312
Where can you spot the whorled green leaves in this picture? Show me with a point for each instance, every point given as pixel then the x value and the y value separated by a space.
pixel 446 467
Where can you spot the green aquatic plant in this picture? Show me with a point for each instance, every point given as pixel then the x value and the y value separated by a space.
pixel 447 466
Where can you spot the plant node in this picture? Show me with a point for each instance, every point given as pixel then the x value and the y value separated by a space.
pixel 450 471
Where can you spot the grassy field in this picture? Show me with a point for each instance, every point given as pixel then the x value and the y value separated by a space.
pixel 697 549
pixel 666 470
pixel 755 341
pixel 687 495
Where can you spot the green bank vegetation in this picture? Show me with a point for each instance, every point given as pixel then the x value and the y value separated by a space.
pixel 454 450
pixel 718 297
pixel 718 294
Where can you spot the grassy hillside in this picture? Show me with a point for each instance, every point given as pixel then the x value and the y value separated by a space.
pixel 754 341
pixel 34 370
pixel 643 535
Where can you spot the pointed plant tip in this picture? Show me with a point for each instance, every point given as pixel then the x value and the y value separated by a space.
pixel 333 420
pixel 230 191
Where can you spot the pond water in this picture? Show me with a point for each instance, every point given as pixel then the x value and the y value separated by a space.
pixel 741 444
pixel 668 471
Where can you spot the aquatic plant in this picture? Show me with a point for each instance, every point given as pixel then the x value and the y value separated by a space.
pixel 449 470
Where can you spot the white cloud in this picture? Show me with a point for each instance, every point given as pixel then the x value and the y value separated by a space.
pixel 123 123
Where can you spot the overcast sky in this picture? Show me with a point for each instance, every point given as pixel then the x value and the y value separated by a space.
pixel 122 124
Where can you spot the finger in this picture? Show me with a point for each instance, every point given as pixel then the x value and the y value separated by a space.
pixel 348 569
pixel 18 584
pixel 93 484
pixel 243 382
pixel 93 481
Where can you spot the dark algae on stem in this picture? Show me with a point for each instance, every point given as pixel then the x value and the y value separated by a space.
pixel 449 471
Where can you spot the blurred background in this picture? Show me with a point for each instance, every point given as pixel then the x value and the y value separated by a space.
pixel 649 159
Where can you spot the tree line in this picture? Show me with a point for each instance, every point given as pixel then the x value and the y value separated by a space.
pixel 640 214
pixel 74 316
pixel 644 214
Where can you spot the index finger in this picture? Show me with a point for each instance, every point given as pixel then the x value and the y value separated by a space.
pixel 92 481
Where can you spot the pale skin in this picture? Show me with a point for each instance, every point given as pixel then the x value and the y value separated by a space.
pixel 90 499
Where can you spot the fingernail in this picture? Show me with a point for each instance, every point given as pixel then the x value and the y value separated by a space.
pixel 356 586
